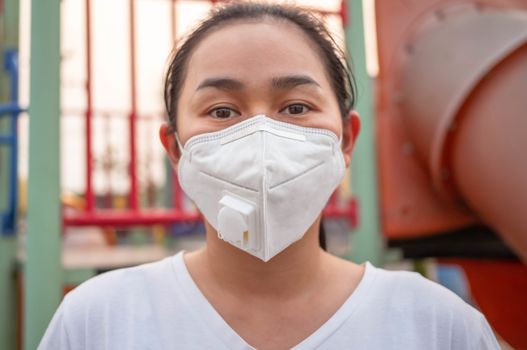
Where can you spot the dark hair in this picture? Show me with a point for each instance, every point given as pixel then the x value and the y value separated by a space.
pixel 337 69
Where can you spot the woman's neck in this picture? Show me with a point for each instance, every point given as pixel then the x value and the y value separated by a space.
pixel 224 268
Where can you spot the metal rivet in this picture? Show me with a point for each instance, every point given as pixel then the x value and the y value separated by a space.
pixel 408 149
pixel 440 15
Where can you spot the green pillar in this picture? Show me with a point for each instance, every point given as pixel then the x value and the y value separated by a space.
pixel 43 271
pixel 366 239
pixel 8 40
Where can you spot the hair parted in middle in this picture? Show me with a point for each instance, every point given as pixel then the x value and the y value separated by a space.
pixel 334 59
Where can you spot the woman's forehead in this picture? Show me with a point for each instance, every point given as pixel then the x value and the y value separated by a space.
pixel 255 51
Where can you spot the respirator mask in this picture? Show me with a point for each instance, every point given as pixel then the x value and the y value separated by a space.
pixel 261 183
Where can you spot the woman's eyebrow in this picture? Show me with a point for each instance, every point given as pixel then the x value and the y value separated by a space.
pixel 291 81
pixel 281 83
pixel 221 83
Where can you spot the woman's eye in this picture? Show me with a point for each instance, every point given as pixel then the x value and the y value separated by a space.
pixel 222 113
pixel 296 109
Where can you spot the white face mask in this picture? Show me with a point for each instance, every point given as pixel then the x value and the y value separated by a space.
pixel 261 183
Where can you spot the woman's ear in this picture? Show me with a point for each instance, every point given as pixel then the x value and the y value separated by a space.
pixel 168 140
pixel 350 132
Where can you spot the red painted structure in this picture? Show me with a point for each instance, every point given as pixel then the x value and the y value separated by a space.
pixel 90 203
pixel 134 215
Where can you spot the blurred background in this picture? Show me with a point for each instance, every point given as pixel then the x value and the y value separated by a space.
pixel 438 182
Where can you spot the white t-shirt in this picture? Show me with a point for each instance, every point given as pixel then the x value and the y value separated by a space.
pixel 158 306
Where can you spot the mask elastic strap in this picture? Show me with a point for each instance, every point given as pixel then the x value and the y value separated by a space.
pixel 180 146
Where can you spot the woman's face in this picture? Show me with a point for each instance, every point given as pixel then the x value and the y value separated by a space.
pixel 251 68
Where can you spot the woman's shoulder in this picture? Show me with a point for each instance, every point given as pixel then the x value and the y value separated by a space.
pixel 409 311
pixel 118 286
pixel 398 285
pixel 115 306
pixel 427 303
pixel 412 288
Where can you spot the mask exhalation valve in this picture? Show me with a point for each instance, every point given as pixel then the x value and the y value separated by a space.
pixel 236 221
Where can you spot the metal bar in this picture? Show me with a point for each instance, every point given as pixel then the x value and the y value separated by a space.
pixel 90 199
pixel 108 163
pixel 153 217
pixel 134 195
pixel 9 219
pixel 366 239
pixel 114 112
pixel 349 213
pixel 8 109
pixel 6 139
pixel 177 196
pixel 43 272
pixel 129 219
pixel 173 21
pixel 344 13
pixel 9 22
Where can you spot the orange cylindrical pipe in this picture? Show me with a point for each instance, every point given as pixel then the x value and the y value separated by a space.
pixel 464 103
pixel 489 150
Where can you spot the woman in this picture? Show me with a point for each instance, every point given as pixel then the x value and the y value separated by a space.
pixel 261 128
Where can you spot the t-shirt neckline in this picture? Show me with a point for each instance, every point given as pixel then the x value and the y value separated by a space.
pixel 203 309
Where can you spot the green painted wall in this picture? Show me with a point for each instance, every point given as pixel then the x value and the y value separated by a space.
pixel 366 239
pixel 43 271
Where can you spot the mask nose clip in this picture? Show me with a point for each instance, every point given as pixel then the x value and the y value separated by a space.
pixel 236 221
